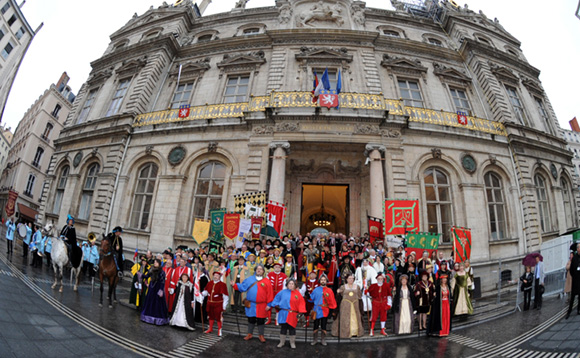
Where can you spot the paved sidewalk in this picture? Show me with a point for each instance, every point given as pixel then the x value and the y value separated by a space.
pixel 564 336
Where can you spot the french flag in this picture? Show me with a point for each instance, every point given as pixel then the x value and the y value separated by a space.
pixel 315 89
pixel 135 255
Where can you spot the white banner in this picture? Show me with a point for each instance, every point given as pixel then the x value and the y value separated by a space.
pixel 394 241
pixel 251 210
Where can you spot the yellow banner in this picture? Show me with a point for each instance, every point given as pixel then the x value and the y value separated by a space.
pixel 200 230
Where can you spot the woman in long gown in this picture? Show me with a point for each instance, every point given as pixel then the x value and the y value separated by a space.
pixel 440 317
pixel 182 310
pixel 459 285
pixel 138 289
pixel 403 307
pixel 155 308
pixel 424 294
pixel 349 322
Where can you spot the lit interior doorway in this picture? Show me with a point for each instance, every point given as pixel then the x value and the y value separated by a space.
pixel 326 206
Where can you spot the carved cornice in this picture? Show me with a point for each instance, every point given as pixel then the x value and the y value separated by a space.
pixel 191 69
pixel 403 65
pixel 504 74
pixel 323 55
pixel 297 167
pixel 99 77
pixel 250 61
pixel 533 86
pixel 131 67
pixel 450 74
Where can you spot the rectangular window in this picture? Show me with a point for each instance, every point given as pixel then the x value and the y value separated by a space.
pixel 29 185
pixel 5 8
pixel 84 209
pixel 87 106
pixel 460 100
pixel 544 115
pixel 517 105
pixel 237 89
pixel 11 20
pixel 38 157
pixel 411 93
pixel 332 76
pixel 1 34
pixel 19 33
pixel 7 49
pixel 182 95
pixel 118 97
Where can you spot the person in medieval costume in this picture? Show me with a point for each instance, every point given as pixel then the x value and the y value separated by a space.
pixel 258 294
pixel 403 307
pixel 440 317
pixel 345 269
pixel 216 292
pixel 324 301
pixel 365 276
pixel 200 280
pixel 382 301
pixel 349 322
pixel 239 273
pixel 332 263
pixel 69 235
pixel 424 294
pixel 155 308
pixel 183 304
pixel 290 269
pixel 278 280
pixel 460 286
pixel 306 291
pixel 290 304
pixel 169 288
pixel 138 289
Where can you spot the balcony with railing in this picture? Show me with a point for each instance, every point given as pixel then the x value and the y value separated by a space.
pixel 297 99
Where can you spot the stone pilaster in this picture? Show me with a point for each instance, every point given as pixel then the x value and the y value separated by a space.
pixel 375 152
pixel 278 175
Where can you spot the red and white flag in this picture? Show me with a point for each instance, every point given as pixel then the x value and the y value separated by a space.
pixel 328 99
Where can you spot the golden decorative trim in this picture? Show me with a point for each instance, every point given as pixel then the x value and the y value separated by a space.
pixel 299 99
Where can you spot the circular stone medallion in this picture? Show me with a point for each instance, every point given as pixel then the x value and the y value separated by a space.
pixel 468 163
pixel 176 155
pixel 554 171
pixel 77 159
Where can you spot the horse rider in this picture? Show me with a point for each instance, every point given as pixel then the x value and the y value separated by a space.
pixel 69 234
pixel 117 246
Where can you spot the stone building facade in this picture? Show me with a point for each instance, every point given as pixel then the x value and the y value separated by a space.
pixel 253 126
pixel 5 140
pixel 32 147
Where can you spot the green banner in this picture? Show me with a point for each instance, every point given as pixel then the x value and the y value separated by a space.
pixel 576 236
pixel 422 241
pixel 217 222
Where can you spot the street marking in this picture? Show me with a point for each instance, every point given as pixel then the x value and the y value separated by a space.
pixel 196 346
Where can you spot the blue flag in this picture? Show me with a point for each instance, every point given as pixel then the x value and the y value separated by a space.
pixel 338 83
pixel 325 80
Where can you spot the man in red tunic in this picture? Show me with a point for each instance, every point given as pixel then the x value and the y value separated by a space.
pixel 169 289
pixel 306 291
pixel 380 293
pixel 217 301
pixel 278 280
pixel 333 269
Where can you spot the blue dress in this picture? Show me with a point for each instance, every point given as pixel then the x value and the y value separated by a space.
pixel 155 307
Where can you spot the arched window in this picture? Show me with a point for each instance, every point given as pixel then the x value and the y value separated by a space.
pixel 435 42
pixel 209 189
pixel 88 190
pixel 543 203
pixel 391 33
pixel 495 205
pixel 251 31
pixel 567 203
pixel 60 186
pixel 205 38
pixel 439 204
pixel 143 197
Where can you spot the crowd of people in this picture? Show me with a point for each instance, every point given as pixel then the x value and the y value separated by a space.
pixel 330 282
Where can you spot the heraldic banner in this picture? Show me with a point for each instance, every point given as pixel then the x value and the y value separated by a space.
pixel 276 216
pixel 200 230
pixel 422 241
pixel 256 227
pixel 11 204
pixel 461 243
pixel 401 216
pixel 251 204
pixel 375 229
pixel 231 225
pixel 217 222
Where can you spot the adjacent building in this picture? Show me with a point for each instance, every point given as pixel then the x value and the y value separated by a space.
pixel 129 156
pixel 15 38
pixel 572 136
pixel 5 140
pixel 32 147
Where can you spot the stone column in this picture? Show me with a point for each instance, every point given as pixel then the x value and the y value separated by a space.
pixel 278 175
pixel 374 153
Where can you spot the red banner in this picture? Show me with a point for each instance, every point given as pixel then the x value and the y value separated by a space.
pixel 231 225
pixel 375 229
pixel 11 204
pixel 256 227
pixel 401 216
pixel 461 243
pixel 276 216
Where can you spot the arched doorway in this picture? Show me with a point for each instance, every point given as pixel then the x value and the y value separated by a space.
pixel 328 201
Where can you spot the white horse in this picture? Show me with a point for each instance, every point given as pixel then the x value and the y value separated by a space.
pixel 60 260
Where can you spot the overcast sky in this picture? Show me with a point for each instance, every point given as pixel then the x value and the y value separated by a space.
pixel 76 33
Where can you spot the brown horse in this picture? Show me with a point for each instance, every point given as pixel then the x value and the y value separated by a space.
pixel 108 269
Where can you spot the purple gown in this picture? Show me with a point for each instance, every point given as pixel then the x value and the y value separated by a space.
pixel 155 307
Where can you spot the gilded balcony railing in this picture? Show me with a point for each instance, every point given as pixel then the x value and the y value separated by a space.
pixel 299 99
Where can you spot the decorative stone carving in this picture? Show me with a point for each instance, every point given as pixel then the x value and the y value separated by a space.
pixel 492 159
pixel 131 66
pixel 320 12
pixel 285 14
pixel 264 130
pixel 100 77
pixel 468 163
pixel 451 74
pixel 77 159
pixel 191 69
pixel 358 15
pixel 554 171
pixel 366 129
pixel 212 146
pixel 504 74
pixel 323 55
pixel 345 169
pixel 241 4
pixel 176 155
pixel 280 144
pixel 532 86
pixel 436 153
pixel 94 152
pixel 300 167
pixel 374 146
pixel 249 61
pixel 287 127
pixel 149 149
pixel 403 65
pixel 391 133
